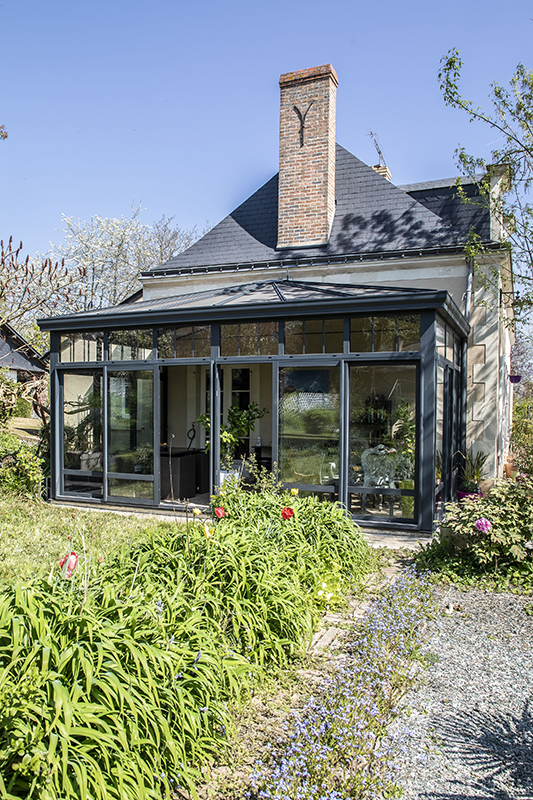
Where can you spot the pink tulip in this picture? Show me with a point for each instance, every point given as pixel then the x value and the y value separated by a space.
pixel 71 561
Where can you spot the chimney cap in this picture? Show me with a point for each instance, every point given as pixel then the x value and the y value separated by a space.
pixel 307 75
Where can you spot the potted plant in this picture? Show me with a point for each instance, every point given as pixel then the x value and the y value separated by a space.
pixel 472 473
pixel 240 422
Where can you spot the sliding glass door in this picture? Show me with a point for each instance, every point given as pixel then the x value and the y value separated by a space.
pixel 108 435
pixel 383 434
pixel 309 428
pixel 130 445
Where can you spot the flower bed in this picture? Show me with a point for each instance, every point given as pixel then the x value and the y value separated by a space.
pixel 115 677
pixel 338 748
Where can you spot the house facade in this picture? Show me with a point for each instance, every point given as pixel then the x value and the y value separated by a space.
pixel 341 304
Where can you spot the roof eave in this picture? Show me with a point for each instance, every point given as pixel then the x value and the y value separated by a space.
pixel 404 300
pixel 314 260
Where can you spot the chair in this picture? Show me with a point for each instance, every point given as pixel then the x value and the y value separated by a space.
pixel 379 468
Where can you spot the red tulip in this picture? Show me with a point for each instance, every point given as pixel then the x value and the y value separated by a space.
pixel 287 512
pixel 71 561
pixel 220 512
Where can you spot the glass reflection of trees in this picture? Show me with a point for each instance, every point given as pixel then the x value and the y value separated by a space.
pixel 82 420
pixel 309 425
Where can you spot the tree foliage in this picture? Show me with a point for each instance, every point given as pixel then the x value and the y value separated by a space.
pixel 111 253
pixel 3 132
pixel 511 118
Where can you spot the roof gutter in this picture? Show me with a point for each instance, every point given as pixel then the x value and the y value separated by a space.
pixel 295 260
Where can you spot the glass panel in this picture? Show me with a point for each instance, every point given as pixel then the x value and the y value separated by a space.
pixel 383 438
pixel 309 425
pixel 184 341
pixel 375 505
pixel 314 335
pixel 131 421
pixel 294 340
pixel 457 353
pixel 122 487
pixel 82 420
pixel 81 346
pixel 361 335
pixel 439 425
pixel 130 345
pixel 409 332
pixel 249 345
pixel 166 343
pixel 268 338
pixel 202 341
pixel 449 344
pixel 441 338
pixel 384 334
pixel 229 340
pixel 80 485
pixel 333 335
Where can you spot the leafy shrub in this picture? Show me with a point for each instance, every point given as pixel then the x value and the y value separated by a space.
pixel 503 548
pixel 22 408
pixel 116 682
pixel 20 467
pixel 107 695
pixel 320 538
pixel 522 434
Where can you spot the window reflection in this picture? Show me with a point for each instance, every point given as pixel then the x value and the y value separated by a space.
pixel 82 420
pixel 309 425
pixel 81 346
pixel 383 440
pixel 130 345
pixel 131 422
pixel 392 333
pixel 249 339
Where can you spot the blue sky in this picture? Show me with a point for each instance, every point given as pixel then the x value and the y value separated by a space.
pixel 174 105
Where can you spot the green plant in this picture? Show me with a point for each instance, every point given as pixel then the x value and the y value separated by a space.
pixel 120 695
pixel 22 408
pixel 117 681
pixel 21 469
pixel 496 534
pixel 9 396
pixel 404 430
pixel 522 434
pixel 472 469
pixel 238 426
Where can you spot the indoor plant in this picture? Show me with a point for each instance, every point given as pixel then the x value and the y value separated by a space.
pixel 240 422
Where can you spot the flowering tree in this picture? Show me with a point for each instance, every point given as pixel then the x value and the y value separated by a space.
pixel 111 253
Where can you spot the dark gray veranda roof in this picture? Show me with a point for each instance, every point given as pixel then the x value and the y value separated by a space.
pixel 259 298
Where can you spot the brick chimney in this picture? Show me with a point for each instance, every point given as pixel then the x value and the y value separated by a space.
pixel 306 204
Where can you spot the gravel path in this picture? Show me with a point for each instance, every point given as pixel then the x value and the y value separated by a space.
pixel 471 716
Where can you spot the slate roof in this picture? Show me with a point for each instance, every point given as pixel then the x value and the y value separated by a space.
pixel 372 216
pixel 17 354
pixel 442 198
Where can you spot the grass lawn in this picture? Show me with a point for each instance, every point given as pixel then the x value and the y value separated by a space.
pixel 35 535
